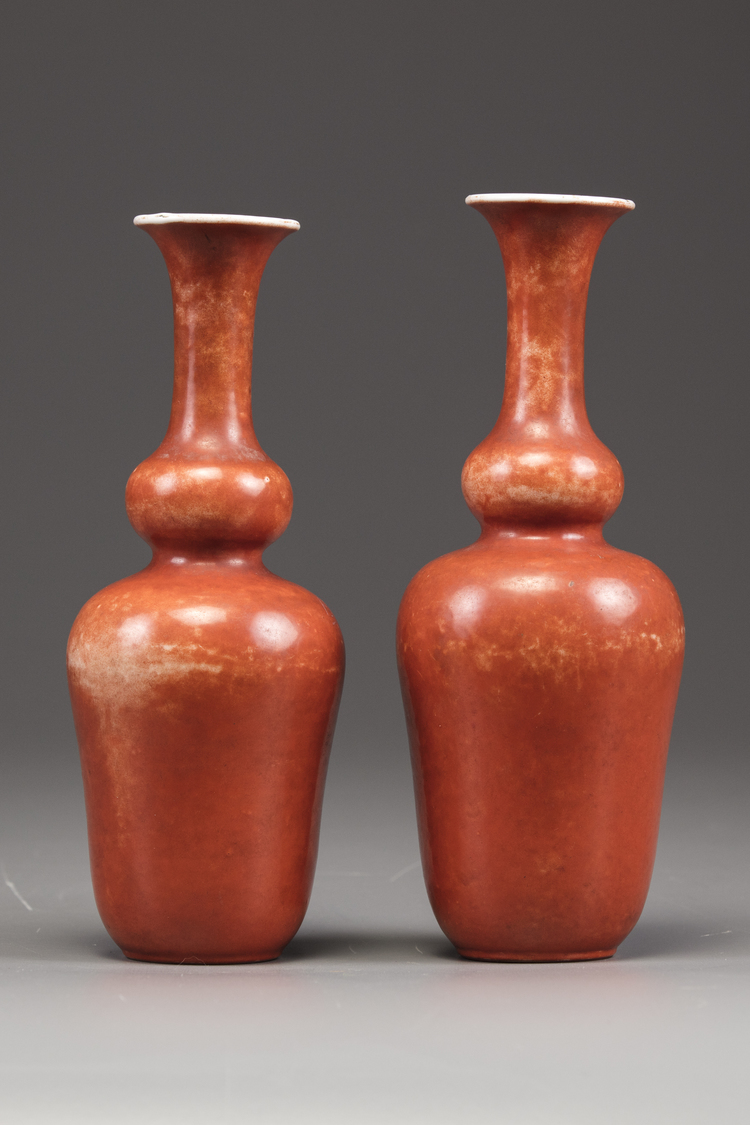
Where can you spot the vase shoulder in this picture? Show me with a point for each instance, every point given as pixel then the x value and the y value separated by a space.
pixel 530 603
pixel 168 623
pixel 535 563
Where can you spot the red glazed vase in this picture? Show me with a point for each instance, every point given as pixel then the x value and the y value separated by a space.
pixel 540 665
pixel 205 688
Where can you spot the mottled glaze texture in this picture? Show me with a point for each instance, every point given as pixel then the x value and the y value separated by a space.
pixel 540 666
pixel 205 688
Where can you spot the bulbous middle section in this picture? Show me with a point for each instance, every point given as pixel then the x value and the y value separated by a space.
pixel 507 481
pixel 169 499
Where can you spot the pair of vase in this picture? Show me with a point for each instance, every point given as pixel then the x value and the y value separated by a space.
pixel 540 666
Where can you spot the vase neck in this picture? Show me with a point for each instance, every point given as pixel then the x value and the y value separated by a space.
pixel 215 271
pixel 209 489
pixel 548 251
pixel 542 462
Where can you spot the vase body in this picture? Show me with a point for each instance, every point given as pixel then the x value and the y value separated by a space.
pixel 540 666
pixel 205 688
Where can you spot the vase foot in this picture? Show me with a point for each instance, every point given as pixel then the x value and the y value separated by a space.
pixel 209 959
pixel 589 955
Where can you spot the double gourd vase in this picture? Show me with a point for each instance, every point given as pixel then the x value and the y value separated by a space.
pixel 540 666
pixel 205 688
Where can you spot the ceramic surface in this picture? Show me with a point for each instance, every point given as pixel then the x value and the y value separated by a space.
pixel 540 666
pixel 205 688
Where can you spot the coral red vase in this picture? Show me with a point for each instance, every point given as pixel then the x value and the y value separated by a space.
pixel 205 688
pixel 540 665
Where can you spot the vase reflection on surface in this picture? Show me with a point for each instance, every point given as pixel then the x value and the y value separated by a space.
pixel 205 688
pixel 540 666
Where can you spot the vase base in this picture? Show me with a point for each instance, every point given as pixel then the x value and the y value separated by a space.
pixel 589 955
pixel 192 959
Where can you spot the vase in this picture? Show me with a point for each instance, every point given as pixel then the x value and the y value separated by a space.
pixel 205 688
pixel 540 666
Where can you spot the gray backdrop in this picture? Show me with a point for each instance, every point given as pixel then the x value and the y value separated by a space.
pixel 378 367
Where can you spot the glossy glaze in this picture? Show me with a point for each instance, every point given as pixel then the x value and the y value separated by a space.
pixel 540 666
pixel 205 688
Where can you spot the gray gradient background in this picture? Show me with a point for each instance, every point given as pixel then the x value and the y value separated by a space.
pixel 378 367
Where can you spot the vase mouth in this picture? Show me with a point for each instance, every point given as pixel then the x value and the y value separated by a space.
pixel 164 217
pixel 595 200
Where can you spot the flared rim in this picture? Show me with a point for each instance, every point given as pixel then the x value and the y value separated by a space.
pixel 164 217
pixel 597 200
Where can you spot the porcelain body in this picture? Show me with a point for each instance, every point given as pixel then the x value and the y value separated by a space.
pixel 205 688
pixel 540 666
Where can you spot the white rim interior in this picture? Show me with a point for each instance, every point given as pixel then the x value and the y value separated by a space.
pixel 600 200
pixel 164 217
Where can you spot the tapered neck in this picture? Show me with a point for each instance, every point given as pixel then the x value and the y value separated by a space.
pixel 542 466
pixel 548 251
pixel 215 269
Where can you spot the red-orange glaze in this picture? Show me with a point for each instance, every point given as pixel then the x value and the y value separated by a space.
pixel 540 665
pixel 205 688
